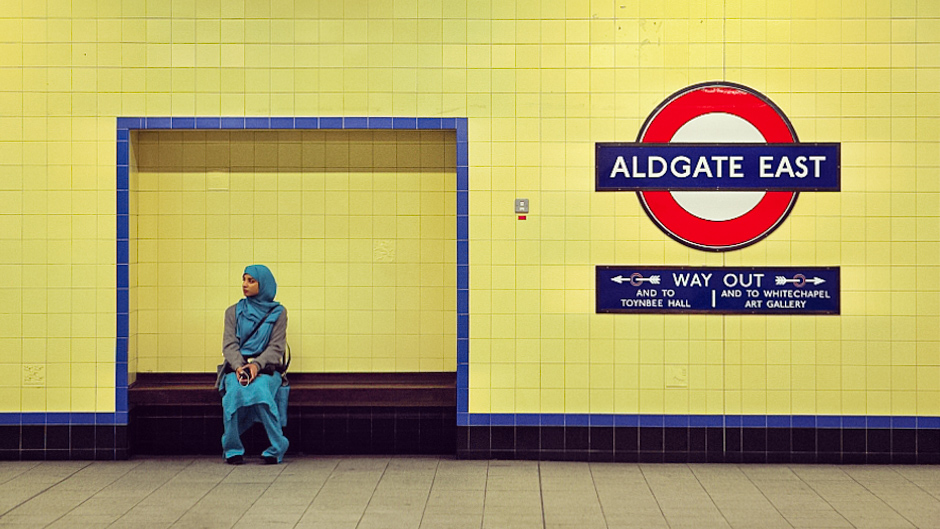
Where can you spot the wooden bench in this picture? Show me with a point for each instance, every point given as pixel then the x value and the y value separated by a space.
pixel 330 413
pixel 307 389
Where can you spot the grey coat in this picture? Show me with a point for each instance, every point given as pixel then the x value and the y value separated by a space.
pixel 273 354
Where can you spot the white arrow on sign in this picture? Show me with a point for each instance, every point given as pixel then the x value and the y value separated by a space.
pixel 636 279
pixel 799 280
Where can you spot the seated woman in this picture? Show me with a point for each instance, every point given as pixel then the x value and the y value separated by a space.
pixel 253 345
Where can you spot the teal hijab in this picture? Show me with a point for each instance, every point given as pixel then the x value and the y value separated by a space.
pixel 249 311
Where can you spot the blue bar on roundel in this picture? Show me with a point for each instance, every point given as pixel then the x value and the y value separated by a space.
pixel 725 166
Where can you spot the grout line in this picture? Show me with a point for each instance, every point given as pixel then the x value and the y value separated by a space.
pixel 882 500
pixel 771 502
pixel 933 495
pixel 486 484
pixel 375 488
pixel 597 494
pixel 180 517
pixel 541 496
pixel 43 491
pixel 653 494
pixel 320 489
pixel 823 498
pixel 246 511
pixel 430 489
pixel 92 495
pixel 33 464
pixel 705 490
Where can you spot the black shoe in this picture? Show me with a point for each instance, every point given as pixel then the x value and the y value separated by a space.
pixel 269 460
pixel 235 460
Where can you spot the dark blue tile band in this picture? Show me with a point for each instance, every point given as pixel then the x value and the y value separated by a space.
pixel 123 175
pixel 57 418
pixel 652 420
pixel 601 420
pixel 676 421
pixel 158 123
pixel 208 123
pixel 500 419
pixel 849 422
pixel 903 423
pixel 429 123
pixel 405 123
pixel 233 123
pixel 129 123
pixel 930 423
pixel 282 123
pixel 122 301
pixel 380 123
pixel 527 420
pixel 355 123
pixel 183 123
pixel 754 421
pixel 478 419
pixel 803 421
pixel 306 123
pixel 257 123
pixel 81 418
pixel 577 419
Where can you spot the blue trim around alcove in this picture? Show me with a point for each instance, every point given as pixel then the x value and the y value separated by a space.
pixel 126 124
pixel 459 125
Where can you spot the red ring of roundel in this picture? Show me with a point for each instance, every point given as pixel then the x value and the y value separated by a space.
pixel 694 231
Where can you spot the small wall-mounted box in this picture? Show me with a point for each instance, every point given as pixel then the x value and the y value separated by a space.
pixel 522 205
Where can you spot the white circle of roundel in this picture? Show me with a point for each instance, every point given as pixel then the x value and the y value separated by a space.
pixel 718 127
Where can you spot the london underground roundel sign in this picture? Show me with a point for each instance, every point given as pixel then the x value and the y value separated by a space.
pixel 717 166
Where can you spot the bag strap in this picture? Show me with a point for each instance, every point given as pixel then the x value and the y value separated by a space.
pixel 257 326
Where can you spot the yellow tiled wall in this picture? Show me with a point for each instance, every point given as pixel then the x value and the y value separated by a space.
pixel 541 82
pixel 358 227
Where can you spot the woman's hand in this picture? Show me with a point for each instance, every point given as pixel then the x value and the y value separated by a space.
pixel 251 369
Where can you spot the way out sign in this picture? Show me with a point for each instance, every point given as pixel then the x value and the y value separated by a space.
pixel 717 166
pixel 780 290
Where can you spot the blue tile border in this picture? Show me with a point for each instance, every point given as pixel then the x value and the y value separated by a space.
pixel 63 418
pixel 208 123
pixel 380 123
pixel 764 422
pixel 459 125
pixel 127 124
pixel 232 123
pixel 306 123
pixel 355 123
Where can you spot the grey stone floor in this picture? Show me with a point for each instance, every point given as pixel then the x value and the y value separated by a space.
pixel 423 492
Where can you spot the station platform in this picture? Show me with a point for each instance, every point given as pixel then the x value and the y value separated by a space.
pixel 440 492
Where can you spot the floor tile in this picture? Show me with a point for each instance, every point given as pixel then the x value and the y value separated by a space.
pixel 434 492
